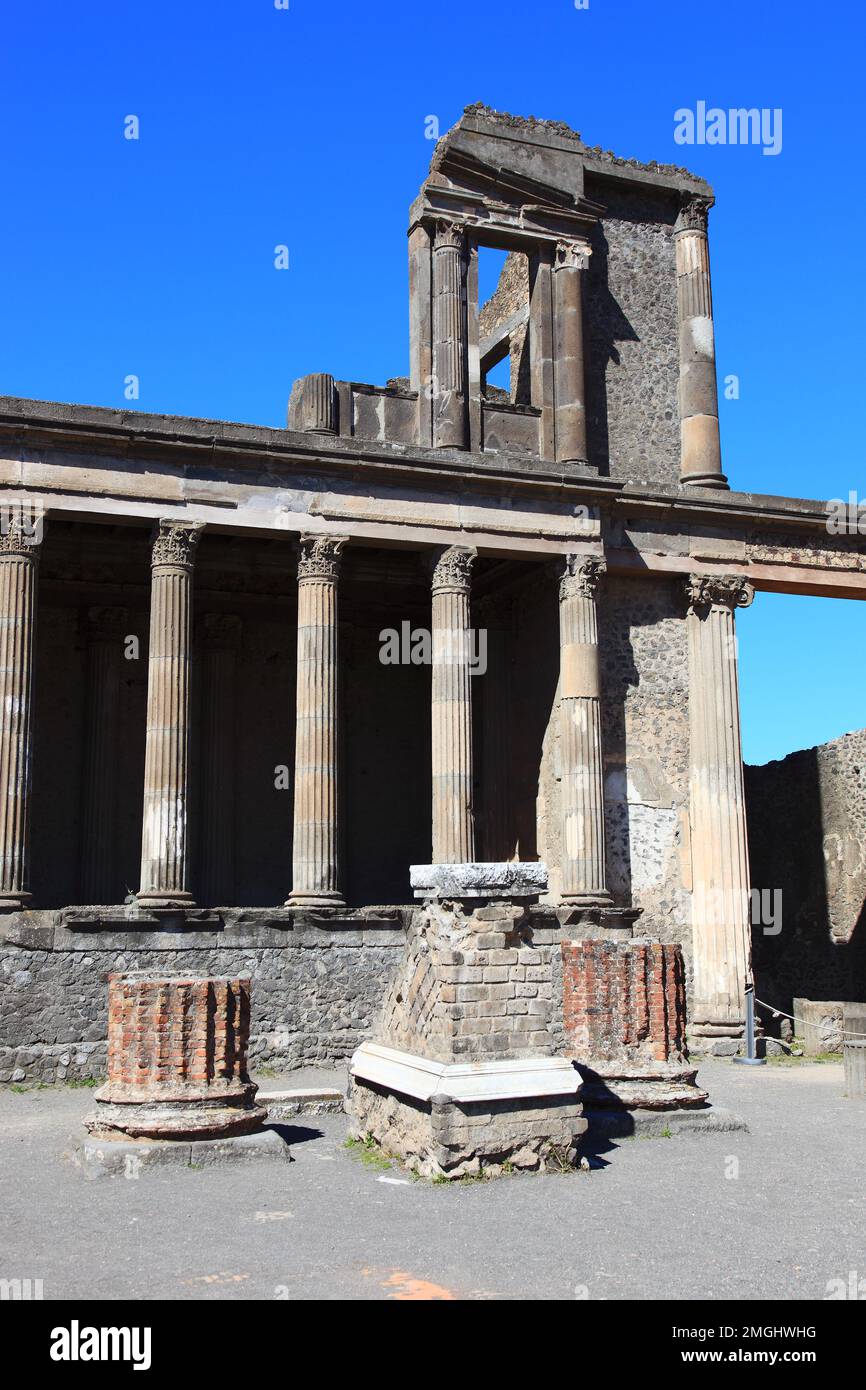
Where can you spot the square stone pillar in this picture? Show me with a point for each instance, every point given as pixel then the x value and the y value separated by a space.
pixel 720 856
pixel 315 866
pixel 583 863
pixel 19 551
pixel 164 859
pixel 453 816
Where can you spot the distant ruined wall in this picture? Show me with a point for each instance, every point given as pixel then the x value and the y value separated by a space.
pixel 807 838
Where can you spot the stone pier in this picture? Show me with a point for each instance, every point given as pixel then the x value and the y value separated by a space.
pixel 316 875
pixel 164 860
pixel 19 551
pixel 720 857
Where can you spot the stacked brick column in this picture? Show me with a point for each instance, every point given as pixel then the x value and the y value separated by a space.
pixel 624 1001
pixel 164 866
pixel 177 1059
pixel 19 550
pixel 453 817
pixel 720 855
pixel 582 775
pixel 104 633
pixel 701 463
pixel 316 876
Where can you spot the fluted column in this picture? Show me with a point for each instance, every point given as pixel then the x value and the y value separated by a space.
pixel 584 874
pixel 104 631
pixel 701 456
pixel 572 260
pixel 19 550
pixel 449 338
pixel 219 635
pixel 164 859
pixel 453 815
pixel 720 860
pixel 315 860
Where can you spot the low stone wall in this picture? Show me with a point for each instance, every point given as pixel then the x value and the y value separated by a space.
pixel 316 988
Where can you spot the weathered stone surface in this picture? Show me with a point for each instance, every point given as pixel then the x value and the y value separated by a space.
pixel 818 1023
pixel 508 880
pixel 125 1158
pixel 624 1002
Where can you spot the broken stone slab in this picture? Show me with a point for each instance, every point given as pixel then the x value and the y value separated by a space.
pixel 819 1023
pixel 618 1085
pixel 127 1159
pixel 427 1080
pixel 303 1100
pixel 608 1123
pixel 512 879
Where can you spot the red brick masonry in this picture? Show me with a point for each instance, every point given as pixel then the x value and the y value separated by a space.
pixel 624 1001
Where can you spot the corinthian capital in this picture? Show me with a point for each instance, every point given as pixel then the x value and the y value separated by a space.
pixel 453 568
pixel 721 590
pixel 573 255
pixel 447 234
pixel 175 543
pixel 320 557
pixel 21 528
pixel 582 576
pixel 693 215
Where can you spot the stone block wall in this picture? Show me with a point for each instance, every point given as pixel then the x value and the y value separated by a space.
pixel 807 842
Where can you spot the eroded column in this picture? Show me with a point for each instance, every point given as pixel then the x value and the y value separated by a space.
pixel 219 635
pixel 701 454
pixel 584 874
pixel 164 860
pixel 315 866
pixel 453 817
pixel 720 860
pixel 572 260
pixel 104 631
pixel 19 550
pixel 449 337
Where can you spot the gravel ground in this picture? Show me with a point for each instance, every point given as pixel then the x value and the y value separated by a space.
pixel 775 1213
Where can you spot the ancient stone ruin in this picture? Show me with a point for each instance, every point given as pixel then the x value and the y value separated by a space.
pixel 507 868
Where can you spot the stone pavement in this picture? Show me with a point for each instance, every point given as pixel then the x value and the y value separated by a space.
pixel 660 1219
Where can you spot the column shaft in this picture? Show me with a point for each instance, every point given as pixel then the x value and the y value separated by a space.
pixel 720 861
pixel 453 817
pixel 315 872
pixel 449 338
pixel 164 860
pixel 498 832
pixel 584 875
pixel 701 461
pixel 18 576
pixel 220 634
pixel 104 633
pixel 571 261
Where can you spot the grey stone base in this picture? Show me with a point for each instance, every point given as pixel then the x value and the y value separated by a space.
pixel 284 1105
pixel 446 1138
pixel 510 880
pixel 610 1123
pixel 128 1159
pixel 661 1086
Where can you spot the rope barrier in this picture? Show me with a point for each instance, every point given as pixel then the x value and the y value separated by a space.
pixel 780 1013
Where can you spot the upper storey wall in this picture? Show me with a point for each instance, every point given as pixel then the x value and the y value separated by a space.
pixel 632 350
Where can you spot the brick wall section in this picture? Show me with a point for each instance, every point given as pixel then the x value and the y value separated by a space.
pixel 179 1030
pixel 624 1001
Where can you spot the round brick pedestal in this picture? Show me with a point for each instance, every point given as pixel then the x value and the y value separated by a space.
pixel 177 1059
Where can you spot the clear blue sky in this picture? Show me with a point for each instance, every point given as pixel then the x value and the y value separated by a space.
pixel 306 127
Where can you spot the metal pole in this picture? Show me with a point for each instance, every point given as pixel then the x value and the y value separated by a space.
pixel 750 1059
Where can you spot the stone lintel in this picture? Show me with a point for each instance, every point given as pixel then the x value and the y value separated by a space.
pixel 428 1080
pixel 512 879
